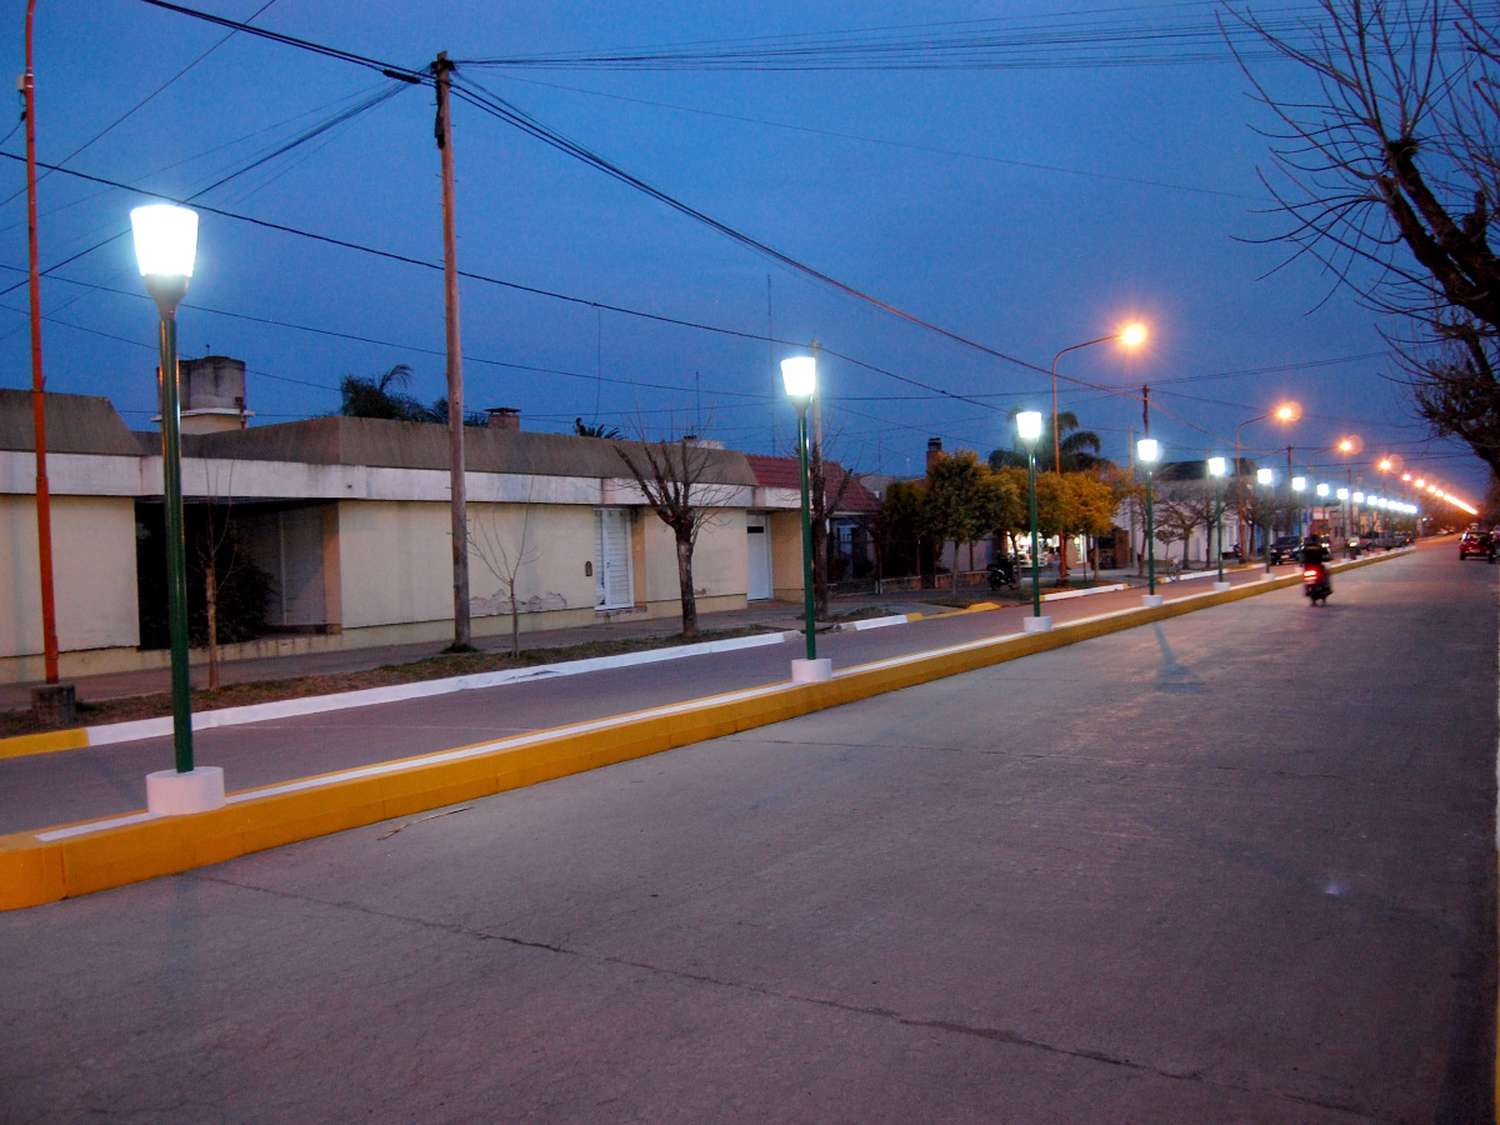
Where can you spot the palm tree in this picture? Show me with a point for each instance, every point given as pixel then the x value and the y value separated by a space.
pixel 598 430
pixel 1080 448
pixel 381 397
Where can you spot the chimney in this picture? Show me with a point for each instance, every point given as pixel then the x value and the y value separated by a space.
pixel 934 450
pixel 502 418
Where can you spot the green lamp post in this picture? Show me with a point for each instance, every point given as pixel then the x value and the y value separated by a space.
pixel 800 374
pixel 1217 467
pixel 1029 429
pixel 1148 453
pixel 166 246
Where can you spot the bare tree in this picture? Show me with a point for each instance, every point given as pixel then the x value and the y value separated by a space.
pixel 215 545
pixel 505 560
pixel 1390 179
pixel 673 477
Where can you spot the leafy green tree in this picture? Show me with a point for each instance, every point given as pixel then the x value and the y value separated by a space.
pixel 960 500
pixel 1091 504
pixel 901 525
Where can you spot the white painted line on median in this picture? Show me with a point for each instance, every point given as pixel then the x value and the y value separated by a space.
pixel 877 622
pixel 1062 595
pixel 113 733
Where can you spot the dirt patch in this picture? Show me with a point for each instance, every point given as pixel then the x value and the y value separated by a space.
pixel 431 668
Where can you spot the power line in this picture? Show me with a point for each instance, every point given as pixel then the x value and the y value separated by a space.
pixel 911 146
pixel 343 116
pixel 512 285
pixel 143 102
pixel 390 70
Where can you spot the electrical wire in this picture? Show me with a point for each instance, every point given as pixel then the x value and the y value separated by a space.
pixel 340 118
pixel 906 145
pixel 144 101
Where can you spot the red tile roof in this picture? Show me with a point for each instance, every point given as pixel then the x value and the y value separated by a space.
pixel 784 472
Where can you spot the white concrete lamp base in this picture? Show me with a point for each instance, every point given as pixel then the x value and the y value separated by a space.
pixel 1221 587
pixel 1037 624
pixel 1268 577
pixel 818 671
pixel 1151 601
pixel 169 793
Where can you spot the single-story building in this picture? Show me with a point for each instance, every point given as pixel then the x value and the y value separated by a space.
pixel 348 520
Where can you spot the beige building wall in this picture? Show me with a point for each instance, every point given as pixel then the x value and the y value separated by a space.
pixel 93 570
pixel 395 563
pixel 551 547
pixel 786 556
pixel 721 564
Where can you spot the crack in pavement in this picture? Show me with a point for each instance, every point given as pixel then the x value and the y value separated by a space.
pixel 994 1035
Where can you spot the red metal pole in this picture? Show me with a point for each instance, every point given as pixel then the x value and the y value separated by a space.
pixel 38 401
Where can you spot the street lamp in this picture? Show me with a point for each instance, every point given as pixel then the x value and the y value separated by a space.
pixel 1148 452
pixel 1216 469
pixel 166 244
pixel 1267 478
pixel 1029 429
pixel 800 374
pixel 1132 336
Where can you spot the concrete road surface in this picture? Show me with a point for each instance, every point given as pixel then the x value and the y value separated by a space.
pixel 1235 868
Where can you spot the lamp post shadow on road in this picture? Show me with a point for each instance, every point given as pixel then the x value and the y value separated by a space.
pixel 166 245
pixel 800 375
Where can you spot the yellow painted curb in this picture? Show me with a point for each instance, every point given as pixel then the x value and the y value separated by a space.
pixel 35 871
pixel 22 745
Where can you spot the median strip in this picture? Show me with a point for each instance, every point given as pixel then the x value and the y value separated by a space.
pixel 113 733
pixel 70 860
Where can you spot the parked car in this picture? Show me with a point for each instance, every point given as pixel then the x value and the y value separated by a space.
pixel 1285 548
pixel 1476 542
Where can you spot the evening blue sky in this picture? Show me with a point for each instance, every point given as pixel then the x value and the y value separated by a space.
pixel 1023 259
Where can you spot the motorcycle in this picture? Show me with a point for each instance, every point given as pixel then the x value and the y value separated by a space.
pixel 1002 573
pixel 1316 583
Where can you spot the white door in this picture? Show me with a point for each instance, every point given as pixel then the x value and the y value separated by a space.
pixel 758 538
pixel 613 588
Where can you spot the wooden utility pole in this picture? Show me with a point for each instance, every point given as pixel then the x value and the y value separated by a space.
pixel 38 386
pixel 442 70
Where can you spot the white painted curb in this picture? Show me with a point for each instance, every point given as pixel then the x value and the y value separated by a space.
pixel 317 704
pixel 1063 595
pixel 876 623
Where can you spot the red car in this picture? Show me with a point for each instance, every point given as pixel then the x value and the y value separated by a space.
pixel 1476 542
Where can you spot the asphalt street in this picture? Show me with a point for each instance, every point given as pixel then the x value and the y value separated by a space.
pixel 49 789
pixel 1237 867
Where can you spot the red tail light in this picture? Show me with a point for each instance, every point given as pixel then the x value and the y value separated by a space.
pixel 1309 574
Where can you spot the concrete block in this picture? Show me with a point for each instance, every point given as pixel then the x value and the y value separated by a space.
pixel 169 793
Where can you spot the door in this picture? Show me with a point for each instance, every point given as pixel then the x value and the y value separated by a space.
pixel 613 588
pixel 758 539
